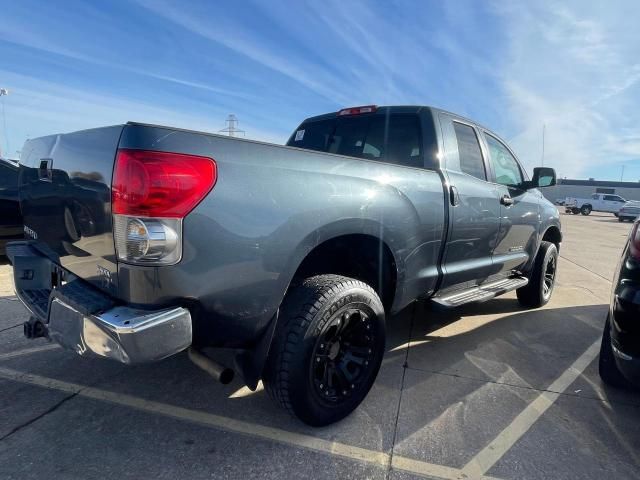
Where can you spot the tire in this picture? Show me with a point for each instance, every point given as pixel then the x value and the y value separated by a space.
pixel 542 278
pixel 609 372
pixel 327 348
pixel 621 219
pixel 585 210
pixel 575 211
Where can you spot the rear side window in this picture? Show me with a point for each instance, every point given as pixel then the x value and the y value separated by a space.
pixel 469 151
pixel 613 198
pixel 393 138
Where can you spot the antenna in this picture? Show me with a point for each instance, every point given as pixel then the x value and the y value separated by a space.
pixel 544 126
pixel 232 126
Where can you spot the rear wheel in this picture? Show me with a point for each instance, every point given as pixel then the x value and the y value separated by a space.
pixel 585 210
pixel 609 372
pixel 542 279
pixel 327 348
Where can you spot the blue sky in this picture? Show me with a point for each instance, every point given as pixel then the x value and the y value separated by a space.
pixel 514 66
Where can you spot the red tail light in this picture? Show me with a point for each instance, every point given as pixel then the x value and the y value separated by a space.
pixel 160 184
pixel 634 241
pixel 357 110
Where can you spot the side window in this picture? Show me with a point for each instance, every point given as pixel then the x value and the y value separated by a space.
pixel 595 196
pixel 613 198
pixel 469 151
pixel 504 165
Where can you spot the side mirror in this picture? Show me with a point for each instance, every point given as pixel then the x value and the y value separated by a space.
pixel 542 177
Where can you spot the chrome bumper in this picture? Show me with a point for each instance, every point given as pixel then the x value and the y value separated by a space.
pixel 83 319
pixel 123 334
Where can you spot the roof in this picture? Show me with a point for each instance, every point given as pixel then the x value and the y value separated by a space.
pixel 598 183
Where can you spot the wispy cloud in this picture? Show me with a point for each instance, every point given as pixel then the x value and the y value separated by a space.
pixel 574 68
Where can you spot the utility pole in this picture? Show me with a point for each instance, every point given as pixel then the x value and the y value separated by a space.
pixel 232 126
pixel 3 93
pixel 543 129
pixel 622 173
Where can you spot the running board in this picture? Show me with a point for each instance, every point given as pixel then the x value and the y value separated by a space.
pixel 481 293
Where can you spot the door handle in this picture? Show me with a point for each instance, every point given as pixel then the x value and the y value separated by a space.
pixel 454 198
pixel 506 200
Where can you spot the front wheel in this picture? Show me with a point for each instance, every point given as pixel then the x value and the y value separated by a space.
pixel 327 348
pixel 542 279
pixel 585 210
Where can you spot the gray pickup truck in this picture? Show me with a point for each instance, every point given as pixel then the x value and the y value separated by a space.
pixel 144 241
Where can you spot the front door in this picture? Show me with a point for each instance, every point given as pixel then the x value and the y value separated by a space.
pixel 473 207
pixel 519 210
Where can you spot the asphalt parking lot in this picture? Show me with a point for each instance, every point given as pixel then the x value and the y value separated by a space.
pixel 486 391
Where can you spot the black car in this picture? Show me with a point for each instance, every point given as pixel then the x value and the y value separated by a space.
pixel 10 217
pixel 620 350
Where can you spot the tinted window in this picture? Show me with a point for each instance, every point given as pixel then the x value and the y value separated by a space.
pixel 504 164
pixel 613 198
pixel 469 151
pixel 391 138
pixel 595 196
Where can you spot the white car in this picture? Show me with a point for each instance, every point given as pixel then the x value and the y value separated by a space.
pixel 629 211
pixel 599 202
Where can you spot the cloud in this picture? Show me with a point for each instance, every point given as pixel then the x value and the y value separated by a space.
pixel 574 68
pixel 40 107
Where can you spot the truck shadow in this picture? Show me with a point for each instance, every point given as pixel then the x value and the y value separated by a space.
pixel 452 379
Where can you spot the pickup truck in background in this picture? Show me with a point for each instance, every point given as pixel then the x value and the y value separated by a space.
pixel 599 202
pixel 10 217
pixel 146 240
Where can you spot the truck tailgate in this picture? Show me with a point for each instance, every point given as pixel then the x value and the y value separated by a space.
pixel 65 197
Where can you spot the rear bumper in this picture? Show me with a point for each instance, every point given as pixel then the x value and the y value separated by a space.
pixel 83 319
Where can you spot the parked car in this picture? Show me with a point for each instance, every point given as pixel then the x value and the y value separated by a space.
pixel 599 202
pixel 559 202
pixel 620 349
pixel 10 217
pixel 629 211
pixel 296 256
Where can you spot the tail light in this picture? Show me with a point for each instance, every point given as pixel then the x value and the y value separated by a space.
pixel 151 193
pixel 634 241
pixel 357 110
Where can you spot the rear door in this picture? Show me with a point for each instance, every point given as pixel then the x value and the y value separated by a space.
pixel 474 210
pixel 519 209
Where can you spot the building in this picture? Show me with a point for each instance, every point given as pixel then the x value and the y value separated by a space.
pixel 585 188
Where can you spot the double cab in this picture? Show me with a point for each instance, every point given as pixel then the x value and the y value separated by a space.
pixel 145 241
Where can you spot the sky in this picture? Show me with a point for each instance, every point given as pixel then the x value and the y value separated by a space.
pixel 514 66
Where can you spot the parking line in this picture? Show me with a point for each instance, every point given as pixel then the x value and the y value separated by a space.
pixel 286 437
pixel 29 351
pixel 486 458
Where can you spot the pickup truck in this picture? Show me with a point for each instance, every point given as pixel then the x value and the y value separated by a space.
pixel 146 240
pixel 598 202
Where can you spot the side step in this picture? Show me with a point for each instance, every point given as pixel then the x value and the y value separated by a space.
pixel 481 293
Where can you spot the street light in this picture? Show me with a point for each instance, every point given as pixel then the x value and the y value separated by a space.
pixel 3 93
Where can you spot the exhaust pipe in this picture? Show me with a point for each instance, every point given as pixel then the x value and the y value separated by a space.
pixel 221 373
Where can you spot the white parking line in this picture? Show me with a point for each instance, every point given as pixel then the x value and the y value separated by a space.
pixel 29 351
pixel 486 458
pixel 286 437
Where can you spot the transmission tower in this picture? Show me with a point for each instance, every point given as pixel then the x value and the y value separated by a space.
pixel 232 126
